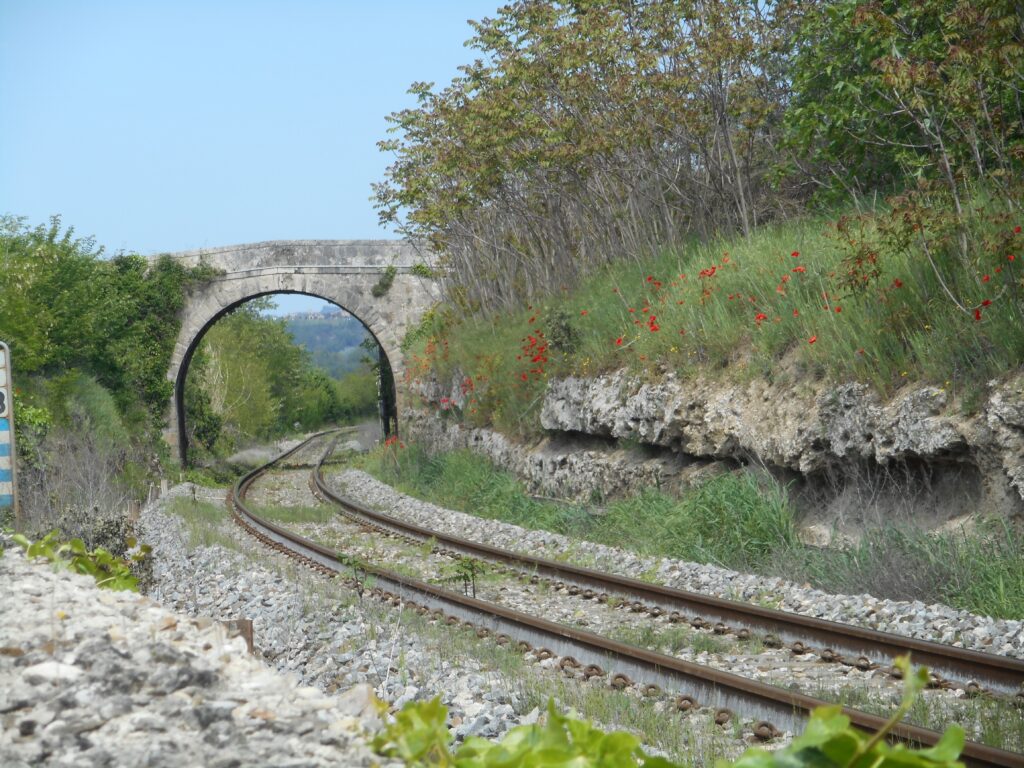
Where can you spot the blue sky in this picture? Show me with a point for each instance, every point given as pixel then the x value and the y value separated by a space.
pixel 166 126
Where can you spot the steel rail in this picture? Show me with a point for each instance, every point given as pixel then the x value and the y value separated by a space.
pixel 999 673
pixel 711 687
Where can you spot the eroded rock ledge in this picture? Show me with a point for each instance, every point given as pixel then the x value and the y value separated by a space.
pixel 677 427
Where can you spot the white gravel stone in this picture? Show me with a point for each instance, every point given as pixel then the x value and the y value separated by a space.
pixel 96 678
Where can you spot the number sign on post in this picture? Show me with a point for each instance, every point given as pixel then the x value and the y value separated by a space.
pixel 8 497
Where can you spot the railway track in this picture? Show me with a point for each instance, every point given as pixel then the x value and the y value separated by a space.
pixel 591 655
pixel 831 641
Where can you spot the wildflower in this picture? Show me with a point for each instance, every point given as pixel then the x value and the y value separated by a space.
pixel 812 339
pixel 1016 230
pixel 759 317
pixel 1010 257
pixel 709 272
pixel 583 311
pixel 838 310
pixel 725 259
pixel 796 313
pixel 631 309
pixel 986 278
pixel 977 315
pixel 897 283
pixel 618 342
pixel 998 270
pixel 987 303
pixel 796 255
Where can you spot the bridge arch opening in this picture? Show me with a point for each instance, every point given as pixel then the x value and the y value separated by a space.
pixel 387 411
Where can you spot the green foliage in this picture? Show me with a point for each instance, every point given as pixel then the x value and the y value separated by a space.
pixel 382 286
pixel 419 736
pixel 250 380
pixel 62 307
pixel 888 92
pixel 110 572
pixel 422 270
pixel 585 132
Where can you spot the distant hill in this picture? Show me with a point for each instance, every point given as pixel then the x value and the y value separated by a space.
pixel 333 340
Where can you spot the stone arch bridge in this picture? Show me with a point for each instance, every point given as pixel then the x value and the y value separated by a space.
pixel 343 272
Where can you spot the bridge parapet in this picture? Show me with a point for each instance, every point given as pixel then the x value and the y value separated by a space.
pixel 376 254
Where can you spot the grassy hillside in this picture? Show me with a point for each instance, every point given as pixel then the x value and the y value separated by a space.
pixel 851 297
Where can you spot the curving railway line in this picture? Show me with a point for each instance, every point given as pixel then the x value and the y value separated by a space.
pixel 580 652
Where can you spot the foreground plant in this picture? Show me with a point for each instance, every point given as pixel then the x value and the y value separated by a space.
pixel 109 571
pixel 420 738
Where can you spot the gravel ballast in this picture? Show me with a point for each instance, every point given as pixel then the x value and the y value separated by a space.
pixel 90 677
pixel 936 622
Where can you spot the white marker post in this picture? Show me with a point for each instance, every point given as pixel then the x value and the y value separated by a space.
pixel 8 480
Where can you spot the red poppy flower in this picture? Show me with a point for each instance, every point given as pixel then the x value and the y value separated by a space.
pixel 1016 230
pixel 977 315
pixel 583 311
pixel 796 255
pixel 838 310
pixel 796 313
pixel 998 270
pixel 812 339
pixel 897 283
pixel 985 278
pixel 618 342
pixel 800 269
pixel 650 278
pixel 1011 257
pixel 987 303
pixel 759 317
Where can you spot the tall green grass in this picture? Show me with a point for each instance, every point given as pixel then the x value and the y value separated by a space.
pixel 754 316
pixel 738 522
pixel 729 520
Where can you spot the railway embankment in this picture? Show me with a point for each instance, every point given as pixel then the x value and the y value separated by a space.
pixel 91 677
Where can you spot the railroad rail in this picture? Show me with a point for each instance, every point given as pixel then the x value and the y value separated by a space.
pixel 832 641
pixel 578 649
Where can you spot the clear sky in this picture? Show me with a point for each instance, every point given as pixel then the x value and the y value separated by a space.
pixel 167 125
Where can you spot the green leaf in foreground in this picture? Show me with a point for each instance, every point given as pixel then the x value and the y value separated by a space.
pixel 420 737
